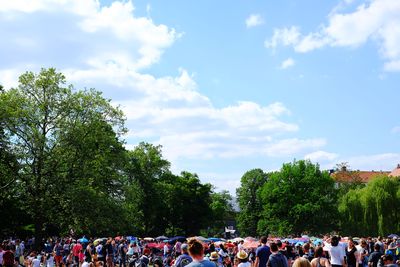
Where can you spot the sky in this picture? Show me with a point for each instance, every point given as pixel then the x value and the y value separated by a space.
pixel 227 86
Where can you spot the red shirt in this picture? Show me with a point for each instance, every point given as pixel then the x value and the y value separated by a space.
pixel 76 249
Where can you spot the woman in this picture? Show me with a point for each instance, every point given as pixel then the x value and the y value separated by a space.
pixel 352 254
pixel 301 262
pixel 243 259
pixel 320 260
pixel 336 251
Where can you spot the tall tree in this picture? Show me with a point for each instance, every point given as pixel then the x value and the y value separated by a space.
pixel 40 117
pixel 298 198
pixel 249 199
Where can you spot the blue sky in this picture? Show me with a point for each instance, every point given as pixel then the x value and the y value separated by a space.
pixel 227 86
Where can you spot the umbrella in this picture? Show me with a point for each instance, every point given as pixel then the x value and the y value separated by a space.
pixel 117 238
pixel 318 242
pixel 202 239
pixel 238 239
pixel 299 244
pixel 214 239
pixel 97 241
pixel 177 238
pixel 229 245
pixel 393 236
pixel 148 239
pixel 249 238
pixel 250 244
pixel 161 237
pixel 83 240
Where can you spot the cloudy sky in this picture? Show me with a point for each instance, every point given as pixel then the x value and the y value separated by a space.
pixel 227 86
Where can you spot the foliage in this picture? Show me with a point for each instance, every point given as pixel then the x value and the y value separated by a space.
pixel 298 198
pixel 248 196
pixel 372 210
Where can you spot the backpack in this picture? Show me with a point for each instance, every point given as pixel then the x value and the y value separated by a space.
pixel 184 262
pixel 139 263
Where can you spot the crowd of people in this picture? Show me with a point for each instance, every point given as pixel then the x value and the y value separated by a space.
pixel 273 252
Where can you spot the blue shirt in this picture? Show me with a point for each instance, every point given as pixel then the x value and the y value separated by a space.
pixel 263 254
pixel 203 263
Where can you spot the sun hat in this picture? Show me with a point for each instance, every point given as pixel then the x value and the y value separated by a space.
pixel 214 256
pixel 242 255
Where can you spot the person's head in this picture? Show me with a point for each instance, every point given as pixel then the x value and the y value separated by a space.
pixel 351 243
pixel 274 247
pixel 387 259
pixel 279 244
pixel 301 262
pixel 335 241
pixel 196 249
pixel 184 248
pixel 319 252
pixel 377 247
pixel 214 256
pixel 306 247
pixel 363 243
pixel 242 256
pixel 263 240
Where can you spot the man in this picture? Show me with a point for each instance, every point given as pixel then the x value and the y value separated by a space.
pixel 75 251
pixel 122 250
pixel 177 248
pixel 184 259
pixel 388 261
pixel 276 259
pixel 375 256
pixel 362 253
pixel 262 253
pixel 58 249
pixel 196 251
pixel 307 253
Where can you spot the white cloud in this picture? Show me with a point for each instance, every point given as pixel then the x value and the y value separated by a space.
pixel 396 130
pixel 254 20
pixel 320 155
pixel 109 48
pixel 287 63
pixel 376 20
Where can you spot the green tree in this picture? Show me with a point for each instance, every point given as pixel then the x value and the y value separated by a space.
pixel 372 209
pixel 248 196
pixel 299 198
pixel 222 211
pixel 49 127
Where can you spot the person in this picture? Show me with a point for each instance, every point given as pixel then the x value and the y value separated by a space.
pixel 276 259
pixel 336 252
pixel 122 253
pixel 18 251
pixel 301 262
pixel 214 258
pixel 184 259
pixel 352 254
pixel 388 261
pixel 320 260
pixel 177 248
pixel 8 257
pixel 49 260
pixel 1 255
pixel 76 250
pixel 57 251
pixel 196 251
pixel 243 259
pixel 307 252
pixel 36 261
pixel 262 253
pixel 381 245
pixel 362 250
pixel 375 256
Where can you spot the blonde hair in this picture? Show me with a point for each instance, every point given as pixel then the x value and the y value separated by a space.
pixel 301 262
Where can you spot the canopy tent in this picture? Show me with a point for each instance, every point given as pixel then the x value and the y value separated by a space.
pixel 177 238
pixel 161 238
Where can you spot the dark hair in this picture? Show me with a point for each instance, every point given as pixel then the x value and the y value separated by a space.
pixel 319 252
pixel 279 243
pixel 335 241
pixel 306 246
pixel 264 239
pixel 274 247
pixel 195 247
pixel 387 257
pixel 377 246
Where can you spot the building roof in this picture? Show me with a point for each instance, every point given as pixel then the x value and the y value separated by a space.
pixel 357 176
pixel 396 171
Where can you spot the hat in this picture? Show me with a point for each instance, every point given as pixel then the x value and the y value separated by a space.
pixel 214 256
pixel 185 247
pixel 242 255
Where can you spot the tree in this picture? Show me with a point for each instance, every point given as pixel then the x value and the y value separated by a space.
pixel 299 198
pixel 49 128
pixel 248 195
pixel 372 210
pixel 222 211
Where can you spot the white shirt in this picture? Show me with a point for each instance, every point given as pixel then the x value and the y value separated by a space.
pixel 244 264
pixel 337 254
pixel 36 262
pixel 50 262
pixel 85 264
